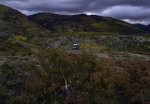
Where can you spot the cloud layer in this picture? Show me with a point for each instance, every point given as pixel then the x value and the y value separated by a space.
pixel 135 11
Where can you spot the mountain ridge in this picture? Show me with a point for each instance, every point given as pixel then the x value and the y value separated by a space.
pixel 144 27
pixel 13 22
pixel 83 23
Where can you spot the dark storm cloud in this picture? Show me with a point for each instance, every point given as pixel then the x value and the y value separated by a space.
pixel 131 10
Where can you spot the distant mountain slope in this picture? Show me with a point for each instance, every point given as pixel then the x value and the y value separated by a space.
pixel 14 22
pixel 83 23
pixel 143 27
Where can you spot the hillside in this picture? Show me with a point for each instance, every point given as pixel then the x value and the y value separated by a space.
pixel 143 27
pixel 12 22
pixel 83 23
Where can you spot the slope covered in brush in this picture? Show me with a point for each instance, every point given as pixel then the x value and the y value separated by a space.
pixel 83 23
pixel 13 22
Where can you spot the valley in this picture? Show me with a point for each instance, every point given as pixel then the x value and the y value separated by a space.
pixel 38 64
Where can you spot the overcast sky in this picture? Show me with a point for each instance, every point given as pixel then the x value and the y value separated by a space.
pixel 134 11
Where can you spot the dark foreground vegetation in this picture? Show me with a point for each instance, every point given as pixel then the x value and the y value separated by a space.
pixel 56 77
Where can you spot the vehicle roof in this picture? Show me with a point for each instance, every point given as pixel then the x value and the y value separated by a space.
pixel 76 44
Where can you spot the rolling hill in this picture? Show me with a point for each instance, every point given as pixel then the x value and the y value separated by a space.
pixel 83 23
pixel 12 22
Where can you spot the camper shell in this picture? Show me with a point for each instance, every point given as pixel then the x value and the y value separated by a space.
pixel 76 47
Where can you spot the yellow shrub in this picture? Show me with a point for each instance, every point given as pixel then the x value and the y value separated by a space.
pixel 17 38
